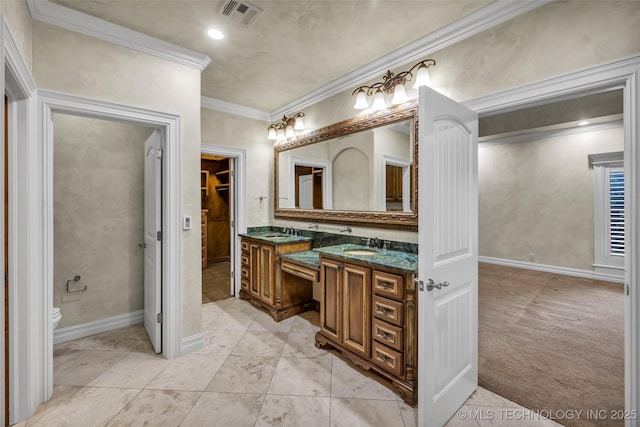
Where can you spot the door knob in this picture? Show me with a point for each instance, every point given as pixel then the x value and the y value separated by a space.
pixel 431 285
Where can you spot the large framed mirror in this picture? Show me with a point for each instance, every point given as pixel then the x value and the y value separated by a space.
pixel 361 171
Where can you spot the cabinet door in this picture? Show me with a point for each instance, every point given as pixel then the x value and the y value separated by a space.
pixel 255 267
pixel 331 306
pixel 268 276
pixel 356 295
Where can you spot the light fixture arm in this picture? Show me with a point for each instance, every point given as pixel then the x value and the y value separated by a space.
pixel 285 127
pixel 391 80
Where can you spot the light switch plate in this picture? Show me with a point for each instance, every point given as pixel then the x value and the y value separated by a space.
pixel 186 222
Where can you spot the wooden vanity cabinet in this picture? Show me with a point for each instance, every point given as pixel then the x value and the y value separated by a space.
pixel 262 283
pixel 369 315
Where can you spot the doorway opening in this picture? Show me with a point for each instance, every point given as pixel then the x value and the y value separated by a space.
pixel 543 297
pixel 217 192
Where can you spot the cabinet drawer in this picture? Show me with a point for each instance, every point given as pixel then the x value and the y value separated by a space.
pixel 245 245
pixel 244 283
pixel 300 271
pixel 388 334
pixel 388 358
pixel 389 285
pixel 244 259
pixel 244 272
pixel 386 309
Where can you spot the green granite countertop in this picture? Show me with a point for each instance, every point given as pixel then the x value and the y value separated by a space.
pixel 390 259
pixel 275 237
pixel 310 258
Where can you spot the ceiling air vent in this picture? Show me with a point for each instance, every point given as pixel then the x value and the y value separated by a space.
pixel 240 11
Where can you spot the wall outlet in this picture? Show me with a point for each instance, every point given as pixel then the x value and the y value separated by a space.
pixel 186 222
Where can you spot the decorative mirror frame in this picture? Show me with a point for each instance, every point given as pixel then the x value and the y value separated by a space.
pixel 375 219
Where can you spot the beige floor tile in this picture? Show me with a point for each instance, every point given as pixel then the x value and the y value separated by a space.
pixel 85 366
pixel 260 343
pixel 220 342
pixel 240 306
pixel 192 372
pixel 244 375
pixel 226 303
pixel 362 412
pixel 123 339
pixel 484 397
pixel 508 416
pixel 60 394
pixel 302 324
pixel 20 424
pixel 264 322
pixel 135 370
pixel 409 414
pixel 90 406
pixel 230 322
pixel 349 383
pixel 303 345
pixel 212 306
pixel 294 411
pixel 156 408
pixel 464 417
pixel 302 377
pixel 227 409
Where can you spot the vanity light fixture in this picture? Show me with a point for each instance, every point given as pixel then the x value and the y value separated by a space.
pixel 286 128
pixel 393 84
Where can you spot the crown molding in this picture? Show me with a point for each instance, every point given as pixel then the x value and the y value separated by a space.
pixel 13 59
pixel 238 110
pixel 55 14
pixel 489 16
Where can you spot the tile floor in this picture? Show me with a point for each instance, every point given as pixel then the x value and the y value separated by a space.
pixel 251 372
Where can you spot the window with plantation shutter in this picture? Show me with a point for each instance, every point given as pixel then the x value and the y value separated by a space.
pixel 608 197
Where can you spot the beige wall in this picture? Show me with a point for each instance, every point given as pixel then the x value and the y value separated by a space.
pixel 81 65
pixel 536 198
pixel 19 21
pixel 98 218
pixel 227 130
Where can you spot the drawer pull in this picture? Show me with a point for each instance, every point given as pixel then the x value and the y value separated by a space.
pixel 384 358
pixel 386 285
pixel 384 334
pixel 384 311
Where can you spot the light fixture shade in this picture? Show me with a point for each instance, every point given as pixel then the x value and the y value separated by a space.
pixel 361 101
pixel 289 133
pixel 378 101
pixel 422 77
pixel 280 134
pixel 299 124
pixel 399 95
pixel 272 134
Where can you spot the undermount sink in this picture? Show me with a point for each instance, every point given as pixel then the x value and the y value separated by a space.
pixel 360 252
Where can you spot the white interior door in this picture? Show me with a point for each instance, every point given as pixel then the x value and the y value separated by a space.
pixel 448 257
pixel 305 191
pixel 232 218
pixel 153 239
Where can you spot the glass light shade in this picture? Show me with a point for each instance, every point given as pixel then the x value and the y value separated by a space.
pixel 289 133
pixel 378 101
pixel 299 124
pixel 361 101
pixel 272 134
pixel 399 95
pixel 280 134
pixel 422 77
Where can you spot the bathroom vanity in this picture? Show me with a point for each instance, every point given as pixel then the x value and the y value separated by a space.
pixel 368 312
pixel 262 280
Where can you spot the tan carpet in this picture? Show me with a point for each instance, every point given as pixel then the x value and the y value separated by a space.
pixel 551 342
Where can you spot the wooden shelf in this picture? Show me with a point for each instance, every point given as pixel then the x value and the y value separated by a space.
pixel 226 172
pixel 222 187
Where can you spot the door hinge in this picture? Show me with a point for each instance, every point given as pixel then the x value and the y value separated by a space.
pixel 233 223
pixel 159 318
pixel 232 274
pixel 159 236
pixel 627 289
pixel 159 153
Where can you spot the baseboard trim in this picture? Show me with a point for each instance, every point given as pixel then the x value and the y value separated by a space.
pixel 192 343
pixel 552 269
pixel 97 326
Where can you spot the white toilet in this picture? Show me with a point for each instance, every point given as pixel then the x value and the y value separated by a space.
pixel 56 317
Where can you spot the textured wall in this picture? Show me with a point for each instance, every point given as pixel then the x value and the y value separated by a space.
pixel 19 20
pixel 81 65
pixel 227 130
pixel 536 198
pixel 98 218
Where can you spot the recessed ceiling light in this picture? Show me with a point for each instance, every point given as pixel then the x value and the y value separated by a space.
pixel 215 34
pixel 583 123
